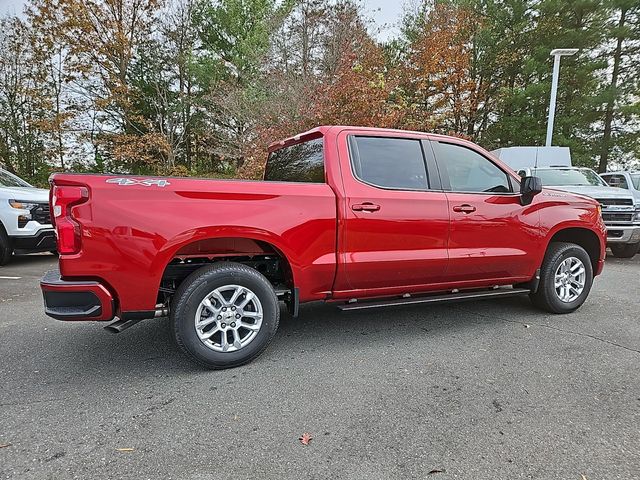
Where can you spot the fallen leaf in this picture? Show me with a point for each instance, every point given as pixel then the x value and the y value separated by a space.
pixel 435 470
pixel 584 477
pixel 124 449
pixel 5 445
pixel 305 438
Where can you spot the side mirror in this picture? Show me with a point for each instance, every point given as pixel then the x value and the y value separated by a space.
pixel 529 188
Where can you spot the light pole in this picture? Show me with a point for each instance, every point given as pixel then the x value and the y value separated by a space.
pixel 556 54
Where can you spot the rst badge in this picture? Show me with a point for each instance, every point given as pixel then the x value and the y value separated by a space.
pixel 146 182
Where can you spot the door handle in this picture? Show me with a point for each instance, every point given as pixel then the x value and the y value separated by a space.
pixel 465 208
pixel 365 207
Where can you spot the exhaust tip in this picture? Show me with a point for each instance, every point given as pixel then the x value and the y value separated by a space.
pixel 120 325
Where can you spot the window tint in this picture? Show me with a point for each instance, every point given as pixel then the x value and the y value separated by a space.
pixel 303 162
pixel 389 162
pixel 569 177
pixel 469 171
pixel 616 181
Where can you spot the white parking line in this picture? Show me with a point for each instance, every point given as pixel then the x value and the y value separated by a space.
pixel 10 278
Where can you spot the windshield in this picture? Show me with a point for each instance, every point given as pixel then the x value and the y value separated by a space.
pixel 635 179
pixel 9 180
pixel 569 177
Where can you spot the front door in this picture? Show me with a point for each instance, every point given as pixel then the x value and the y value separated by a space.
pixel 492 236
pixel 396 221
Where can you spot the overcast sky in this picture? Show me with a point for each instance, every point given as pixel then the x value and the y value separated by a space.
pixel 385 13
pixel 11 6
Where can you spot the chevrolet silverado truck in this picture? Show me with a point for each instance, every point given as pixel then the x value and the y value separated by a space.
pixel 620 212
pixel 625 180
pixel 362 217
pixel 25 223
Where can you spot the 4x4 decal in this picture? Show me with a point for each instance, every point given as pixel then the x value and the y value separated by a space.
pixel 147 182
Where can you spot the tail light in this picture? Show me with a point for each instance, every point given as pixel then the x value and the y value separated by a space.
pixel 63 198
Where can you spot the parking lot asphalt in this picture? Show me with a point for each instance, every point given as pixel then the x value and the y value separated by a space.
pixel 485 390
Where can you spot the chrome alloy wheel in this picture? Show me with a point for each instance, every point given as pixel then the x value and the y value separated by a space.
pixel 569 279
pixel 228 318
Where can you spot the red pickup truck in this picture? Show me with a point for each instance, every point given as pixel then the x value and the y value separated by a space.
pixel 363 217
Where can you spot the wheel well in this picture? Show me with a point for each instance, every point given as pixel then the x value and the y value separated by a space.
pixel 259 255
pixel 583 237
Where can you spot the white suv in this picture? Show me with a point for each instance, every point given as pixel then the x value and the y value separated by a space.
pixel 25 222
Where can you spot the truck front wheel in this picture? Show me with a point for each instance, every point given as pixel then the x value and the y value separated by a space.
pixel 224 315
pixel 625 251
pixel 5 247
pixel 565 278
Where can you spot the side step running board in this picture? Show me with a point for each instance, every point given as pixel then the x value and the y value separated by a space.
pixel 448 297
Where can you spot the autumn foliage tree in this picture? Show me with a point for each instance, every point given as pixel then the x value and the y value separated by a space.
pixel 100 40
pixel 441 88
pixel 202 87
pixel 360 92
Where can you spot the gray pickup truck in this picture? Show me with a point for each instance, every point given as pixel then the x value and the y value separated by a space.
pixel 620 211
pixel 626 180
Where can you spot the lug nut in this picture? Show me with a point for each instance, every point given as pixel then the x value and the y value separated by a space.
pixel 233 308
pixel 233 325
pixel 224 309
pixel 237 315
pixel 223 325
pixel 219 317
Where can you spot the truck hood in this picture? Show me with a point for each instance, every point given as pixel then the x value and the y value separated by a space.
pixel 593 191
pixel 29 194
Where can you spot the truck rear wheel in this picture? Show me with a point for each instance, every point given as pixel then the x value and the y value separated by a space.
pixel 625 251
pixel 224 315
pixel 5 247
pixel 566 277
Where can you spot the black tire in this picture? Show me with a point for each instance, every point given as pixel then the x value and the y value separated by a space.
pixel 196 287
pixel 5 247
pixel 625 251
pixel 546 297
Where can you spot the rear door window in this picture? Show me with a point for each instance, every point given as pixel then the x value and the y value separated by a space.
pixel 302 162
pixel 390 163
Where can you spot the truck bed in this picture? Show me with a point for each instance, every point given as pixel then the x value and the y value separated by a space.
pixel 132 226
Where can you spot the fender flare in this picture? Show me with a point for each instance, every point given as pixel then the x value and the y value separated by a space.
pixel 568 225
pixel 168 251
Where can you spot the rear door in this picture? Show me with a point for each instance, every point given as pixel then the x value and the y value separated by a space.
pixel 396 220
pixel 492 236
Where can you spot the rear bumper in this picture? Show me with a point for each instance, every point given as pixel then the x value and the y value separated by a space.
pixel 43 241
pixel 623 234
pixel 76 300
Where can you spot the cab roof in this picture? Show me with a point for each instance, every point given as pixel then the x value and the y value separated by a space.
pixel 322 130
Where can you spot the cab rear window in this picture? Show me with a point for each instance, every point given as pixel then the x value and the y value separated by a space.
pixel 303 162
